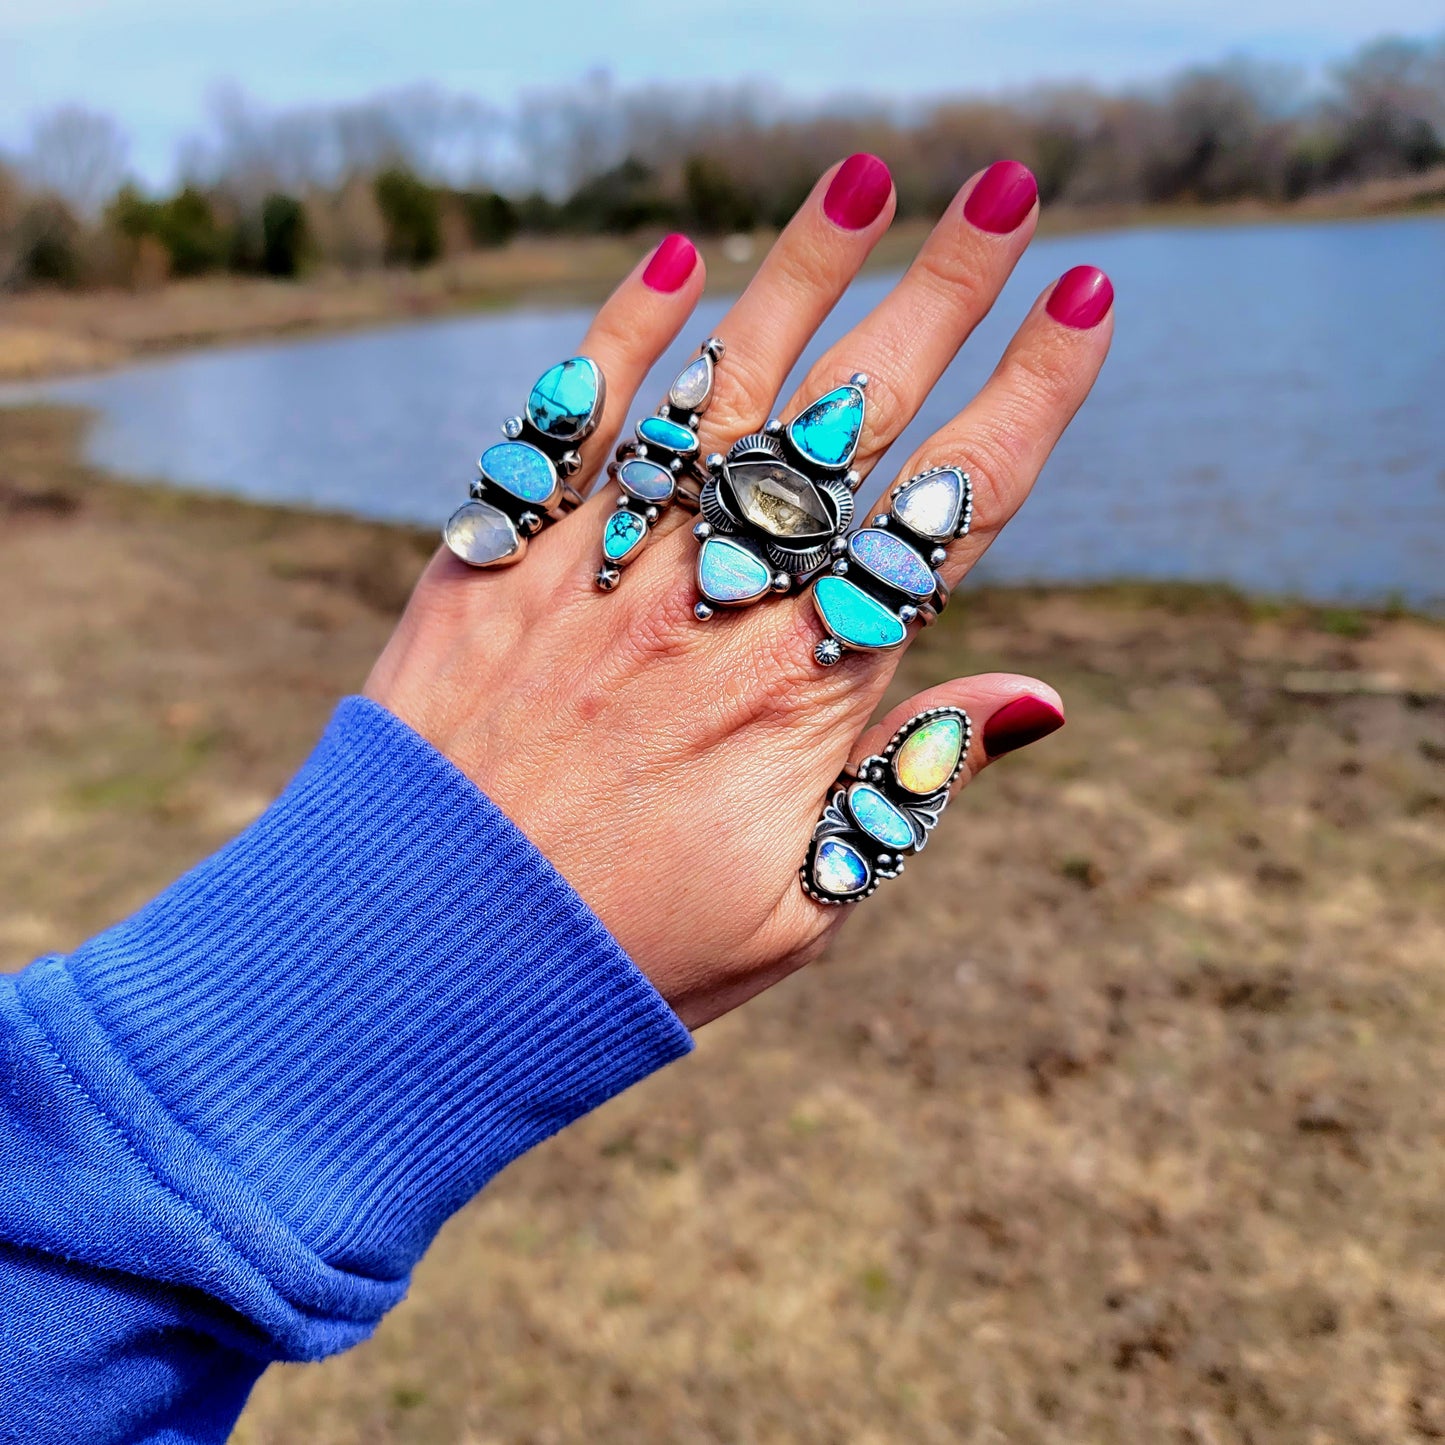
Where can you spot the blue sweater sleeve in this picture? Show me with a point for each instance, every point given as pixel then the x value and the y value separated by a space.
pixel 230 1125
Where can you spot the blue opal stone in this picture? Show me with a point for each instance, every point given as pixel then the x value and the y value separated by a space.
pixel 879 818
pixel 839 868
pixel 566 400
pixel 520 469
pixel 891 561
pixel 663 433
pixel 646 481
pixel 855 618
pixel 729 574
pixel 623 532
pixel 826 433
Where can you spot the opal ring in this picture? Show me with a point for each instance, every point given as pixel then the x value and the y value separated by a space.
pixel 523 482
pixel 883 811
pixel 886 574
pixel 775 506
pixel 659 467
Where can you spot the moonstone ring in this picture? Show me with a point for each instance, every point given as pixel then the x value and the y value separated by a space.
pixel 774 507
pixel 885 574
pixel 659 466
pixel 522 483
pixel 884 810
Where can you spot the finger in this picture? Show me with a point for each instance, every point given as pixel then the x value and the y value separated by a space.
pixel 798 284
pixel 1003 437
pixel 1007 711
pixel 907 342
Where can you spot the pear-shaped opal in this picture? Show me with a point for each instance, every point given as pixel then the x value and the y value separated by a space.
pixel 646 481
pixel 930 755
pixel 878 817
pixel 839 868
pixel 663 433
pixel 483 535
pixel 826 433
pixel 523 470
pixel 932 504
pixel 729 574
pixel 623 532
pixel 693 387
pixel 779 501
pixel 567 399
pixel 891 561
pixel 855 618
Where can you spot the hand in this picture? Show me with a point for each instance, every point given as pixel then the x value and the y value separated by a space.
pixel 673 771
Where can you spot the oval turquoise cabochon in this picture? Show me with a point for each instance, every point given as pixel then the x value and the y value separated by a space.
pixel 670 434
pixel 521 469
pixel 855 618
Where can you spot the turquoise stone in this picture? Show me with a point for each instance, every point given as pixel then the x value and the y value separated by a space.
pixel 855 618
pixel 891 561
pixel 660 432
pixel 623 532
pixel 826 433
pixel 879 818
pixel 839 868
pixel 729 574
pixel 566 399
pixel 931 504
pixel 521 470
pixel 646 481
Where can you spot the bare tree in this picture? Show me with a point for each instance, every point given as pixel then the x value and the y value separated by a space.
pixel 77 155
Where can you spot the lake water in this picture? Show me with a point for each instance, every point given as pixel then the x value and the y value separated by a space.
pixel 1272 415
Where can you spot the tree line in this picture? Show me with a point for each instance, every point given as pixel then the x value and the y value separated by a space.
pixel 408 177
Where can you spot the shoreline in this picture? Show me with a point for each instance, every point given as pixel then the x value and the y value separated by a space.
pixel 48 334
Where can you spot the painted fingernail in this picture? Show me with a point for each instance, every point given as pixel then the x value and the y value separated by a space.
pixel 1023 721
pixel 1081 298
pixel 1004 195
pixel 671 264
pixel 858 192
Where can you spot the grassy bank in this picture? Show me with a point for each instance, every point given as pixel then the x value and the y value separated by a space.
pixel 48 332
pixel 1118 1117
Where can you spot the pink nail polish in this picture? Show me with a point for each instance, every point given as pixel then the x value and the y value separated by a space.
pixel 1024 720
pixel 671 263
pixel 858 192
pixel 1002 198
pixel 1081 298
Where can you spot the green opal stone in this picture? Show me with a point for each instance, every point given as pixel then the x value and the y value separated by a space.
pixel 928 757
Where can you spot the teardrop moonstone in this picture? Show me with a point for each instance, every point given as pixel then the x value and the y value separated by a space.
pixel 567 399
pixel 927 760
pixel 826 433
pixel 729 574
pixel 693 387
pixel 855 618
pixel 839 868
pixel 932 504
pixel 483 535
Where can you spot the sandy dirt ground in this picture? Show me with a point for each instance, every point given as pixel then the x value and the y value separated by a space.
pixel 1119 1118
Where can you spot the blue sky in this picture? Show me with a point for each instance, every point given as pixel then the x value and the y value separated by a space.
pixel 152 62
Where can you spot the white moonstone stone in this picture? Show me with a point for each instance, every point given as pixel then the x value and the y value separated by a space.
pixel 483 536
pixel 693 387
pixel 931 505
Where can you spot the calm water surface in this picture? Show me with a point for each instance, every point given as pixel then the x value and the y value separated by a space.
pixel 1272 415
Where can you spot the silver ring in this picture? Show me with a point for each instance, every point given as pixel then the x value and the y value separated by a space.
pixel 659 467
pixel 523 483
pixel 886 574
pixel 884 810
pixel 775 506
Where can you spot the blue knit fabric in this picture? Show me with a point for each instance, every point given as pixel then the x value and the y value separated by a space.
pixel 230 1125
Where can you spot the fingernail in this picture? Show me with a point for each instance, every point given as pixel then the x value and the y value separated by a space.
pixel 1004 195
pixel 671 264
pixel 858 192
pixel 1081 298
pixel 1025 720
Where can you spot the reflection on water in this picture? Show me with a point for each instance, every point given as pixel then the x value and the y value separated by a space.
pixel 1273 414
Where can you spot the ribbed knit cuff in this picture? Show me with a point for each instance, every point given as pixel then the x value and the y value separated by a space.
pixel 375 998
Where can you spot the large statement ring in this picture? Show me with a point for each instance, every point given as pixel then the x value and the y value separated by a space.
pixel 886 573
pixel 659 467
pixel 773 507
pixel 522 483
pixel 885 809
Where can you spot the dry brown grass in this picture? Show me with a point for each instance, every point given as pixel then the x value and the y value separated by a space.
pixel 1119 1118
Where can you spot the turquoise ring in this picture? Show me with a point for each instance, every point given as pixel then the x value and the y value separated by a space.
pixel 886 574
pixel 523 482
pixel 658 466
pixel 883 811
pixel 774 508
